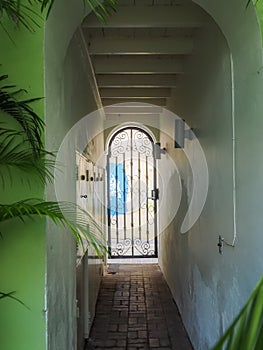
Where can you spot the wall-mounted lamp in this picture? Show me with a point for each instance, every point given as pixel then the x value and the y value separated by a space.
pixel 180 134
pixel 158 150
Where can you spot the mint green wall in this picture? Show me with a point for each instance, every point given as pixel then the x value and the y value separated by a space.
pixel 210 288
pixel 22 248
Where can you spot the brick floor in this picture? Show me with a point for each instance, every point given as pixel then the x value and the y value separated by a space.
pixel 135 310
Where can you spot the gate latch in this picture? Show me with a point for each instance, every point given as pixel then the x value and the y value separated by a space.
pixel 155 194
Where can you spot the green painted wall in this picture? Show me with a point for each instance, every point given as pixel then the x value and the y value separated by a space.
pixel 22 248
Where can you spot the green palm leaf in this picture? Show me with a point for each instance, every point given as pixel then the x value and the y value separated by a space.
pixel 10 295
pixel 101 8
pixel 20 14
pixel 253 1
pixel 24 161
pixel 246 332
pixel 28 120
pixel 81 223
pixel 16 155
pixel 24 15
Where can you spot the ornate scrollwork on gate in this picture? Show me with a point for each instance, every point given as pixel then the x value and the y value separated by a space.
pixel 143 248
pixel 131 206
pixel 122 248
pixel 120 144
pixel 142 144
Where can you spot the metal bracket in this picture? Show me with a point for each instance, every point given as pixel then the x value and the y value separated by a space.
pixel 220 244
pixel 158 150
pixel 155 194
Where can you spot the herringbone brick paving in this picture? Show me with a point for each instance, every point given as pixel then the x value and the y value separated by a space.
pixel 135 310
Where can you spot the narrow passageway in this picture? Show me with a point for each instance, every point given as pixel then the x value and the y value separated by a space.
pixel 135 310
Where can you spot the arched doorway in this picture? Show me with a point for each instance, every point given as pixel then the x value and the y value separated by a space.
pixel 132 194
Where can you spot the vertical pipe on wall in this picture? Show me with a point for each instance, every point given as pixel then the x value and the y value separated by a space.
pixel 233 112
pixel 86 311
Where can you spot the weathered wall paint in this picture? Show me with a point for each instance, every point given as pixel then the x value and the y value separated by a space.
pixel 22 247
pixel 89 266
pixel 69 98
pixel 210 288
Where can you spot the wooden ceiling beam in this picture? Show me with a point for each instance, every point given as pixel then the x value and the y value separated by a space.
pixel 181 16
pixel 152 101
pixel 138 64
pixel 135 80
pixel 140 46
pixel 134 93
pixel 132 108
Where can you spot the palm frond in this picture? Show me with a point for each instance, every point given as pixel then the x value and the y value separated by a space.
pixel 28 120
pixel 252 1
pixel 10 295
pixel 24 15
pixel 46 4
pixel 246 332
pixel 20 14
pixel 18 157
pixel 6 133
pixel 101 8
pixel 81 223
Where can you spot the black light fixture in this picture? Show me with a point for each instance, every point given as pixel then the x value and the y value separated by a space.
pixel 180 134
pixel 158 150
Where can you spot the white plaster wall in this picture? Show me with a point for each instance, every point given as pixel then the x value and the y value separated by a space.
pixel 210 288
pixel 69 97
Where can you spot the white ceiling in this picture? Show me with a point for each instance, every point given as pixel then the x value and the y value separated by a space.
pixel 139 53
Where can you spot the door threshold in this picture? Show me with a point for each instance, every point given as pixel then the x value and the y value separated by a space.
pixel 133 261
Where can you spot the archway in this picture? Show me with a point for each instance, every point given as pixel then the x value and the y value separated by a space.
pixel 132 194
pixel 201 267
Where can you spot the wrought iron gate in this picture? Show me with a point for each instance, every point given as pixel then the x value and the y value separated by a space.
pixel 132 195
